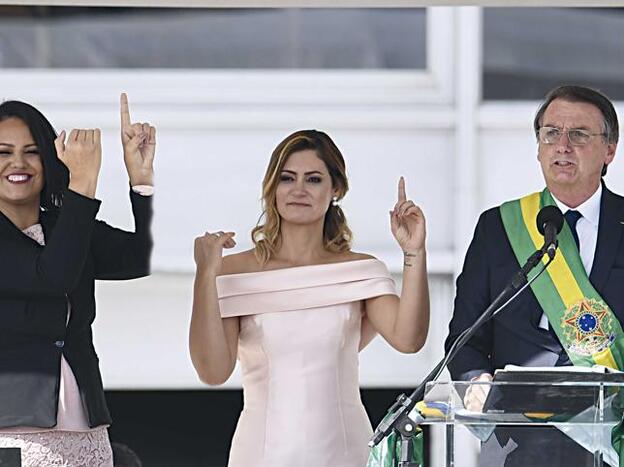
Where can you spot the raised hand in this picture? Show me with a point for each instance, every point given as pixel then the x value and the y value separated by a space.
pixel 139 146
pixel 209 250
pixel 82 155
pixel 407 223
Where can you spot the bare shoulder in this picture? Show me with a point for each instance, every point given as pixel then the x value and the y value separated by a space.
pixel 355 256
pixel 238 263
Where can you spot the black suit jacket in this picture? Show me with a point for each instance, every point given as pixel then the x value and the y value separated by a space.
pixel 36 285
pixel 513 336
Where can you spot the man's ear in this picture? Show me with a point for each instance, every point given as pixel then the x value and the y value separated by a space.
pixel 611 147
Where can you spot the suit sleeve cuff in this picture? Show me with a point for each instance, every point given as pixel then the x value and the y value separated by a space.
pixel 143 190
pixel 76 201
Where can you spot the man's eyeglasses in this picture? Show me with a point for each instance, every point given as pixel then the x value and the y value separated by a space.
pixel 576 136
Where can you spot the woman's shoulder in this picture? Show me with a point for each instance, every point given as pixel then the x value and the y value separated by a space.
pixel 356 256
pixel 349 256
pixel 238 263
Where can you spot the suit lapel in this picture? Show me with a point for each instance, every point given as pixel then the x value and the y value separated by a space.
pixel 9 228
pixel 48 220
pixel 610 230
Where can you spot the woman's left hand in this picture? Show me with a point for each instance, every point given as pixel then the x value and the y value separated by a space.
pixel 139 147
pixel 407 223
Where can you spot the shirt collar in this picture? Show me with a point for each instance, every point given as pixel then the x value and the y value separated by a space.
pixel 589 209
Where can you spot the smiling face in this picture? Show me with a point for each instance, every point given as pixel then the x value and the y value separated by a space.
pixel 304 191
pixel 21 169
pixel 575 170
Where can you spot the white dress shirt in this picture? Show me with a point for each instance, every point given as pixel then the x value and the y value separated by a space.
pixel 587 230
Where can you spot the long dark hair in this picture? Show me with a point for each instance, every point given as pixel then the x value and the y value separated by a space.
pixel 56 175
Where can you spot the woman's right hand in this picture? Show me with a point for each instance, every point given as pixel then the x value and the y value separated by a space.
pixel 82 155
pixel 209 250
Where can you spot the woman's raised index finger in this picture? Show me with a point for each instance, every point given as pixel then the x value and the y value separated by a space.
pixel 402 195
pixel 125 110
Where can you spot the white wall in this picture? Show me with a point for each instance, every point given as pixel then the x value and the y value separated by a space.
pixel 216 130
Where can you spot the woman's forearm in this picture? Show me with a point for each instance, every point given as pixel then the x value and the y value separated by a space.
pixel 211 354
pixel 412 319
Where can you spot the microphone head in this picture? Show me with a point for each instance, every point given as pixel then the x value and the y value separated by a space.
pixel 549 215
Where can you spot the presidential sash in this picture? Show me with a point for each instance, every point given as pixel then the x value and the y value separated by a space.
pixel 586 326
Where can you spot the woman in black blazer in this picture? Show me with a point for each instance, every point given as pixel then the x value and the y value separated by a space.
pixel 51 251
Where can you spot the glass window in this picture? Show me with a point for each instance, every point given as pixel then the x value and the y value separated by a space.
pixel 63 37
pixel 528 51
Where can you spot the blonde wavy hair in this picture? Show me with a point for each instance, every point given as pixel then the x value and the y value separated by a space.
pixel 337 235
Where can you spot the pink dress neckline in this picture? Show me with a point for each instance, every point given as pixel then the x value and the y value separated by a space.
pixel 302 267
pixel 301 287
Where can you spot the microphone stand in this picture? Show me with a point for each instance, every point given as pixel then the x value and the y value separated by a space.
pixel 399 419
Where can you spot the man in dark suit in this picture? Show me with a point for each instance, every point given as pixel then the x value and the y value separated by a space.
pixel 577 133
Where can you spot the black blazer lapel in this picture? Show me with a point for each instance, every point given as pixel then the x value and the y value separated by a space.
pixel 7 227
pixel 610 230
pixel 48 220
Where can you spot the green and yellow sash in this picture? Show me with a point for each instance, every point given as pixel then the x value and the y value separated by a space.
pixel 587 328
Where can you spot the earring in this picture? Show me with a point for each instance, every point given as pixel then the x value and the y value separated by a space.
pixel 335 202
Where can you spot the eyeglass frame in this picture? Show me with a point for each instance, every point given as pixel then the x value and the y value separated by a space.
pixel 567 132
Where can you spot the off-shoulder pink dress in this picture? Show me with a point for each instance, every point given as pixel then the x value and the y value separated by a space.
pixel 300 332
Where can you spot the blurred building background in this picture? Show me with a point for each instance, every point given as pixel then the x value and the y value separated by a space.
pixel 444 96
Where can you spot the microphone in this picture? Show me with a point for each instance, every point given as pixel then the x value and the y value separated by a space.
pixel 549 223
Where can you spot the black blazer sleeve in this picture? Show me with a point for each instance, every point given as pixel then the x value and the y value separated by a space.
pixel 472 298
pixel 27 269
pixel 124 255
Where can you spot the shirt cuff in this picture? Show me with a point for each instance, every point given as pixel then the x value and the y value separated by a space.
pixel 143 190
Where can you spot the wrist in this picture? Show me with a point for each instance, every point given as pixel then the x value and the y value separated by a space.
pixel 83 186
pixel 414 253
pixel 410 257
pixel 141 179
pixel 482 377
pixel 206 273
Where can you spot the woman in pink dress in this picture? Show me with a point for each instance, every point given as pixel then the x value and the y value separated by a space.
pixel 297 308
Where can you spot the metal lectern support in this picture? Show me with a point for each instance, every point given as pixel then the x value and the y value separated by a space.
pixel 407 427
pixel 601 407
pixel 450 442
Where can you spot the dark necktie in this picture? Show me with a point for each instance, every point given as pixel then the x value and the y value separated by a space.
pixel 572 218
